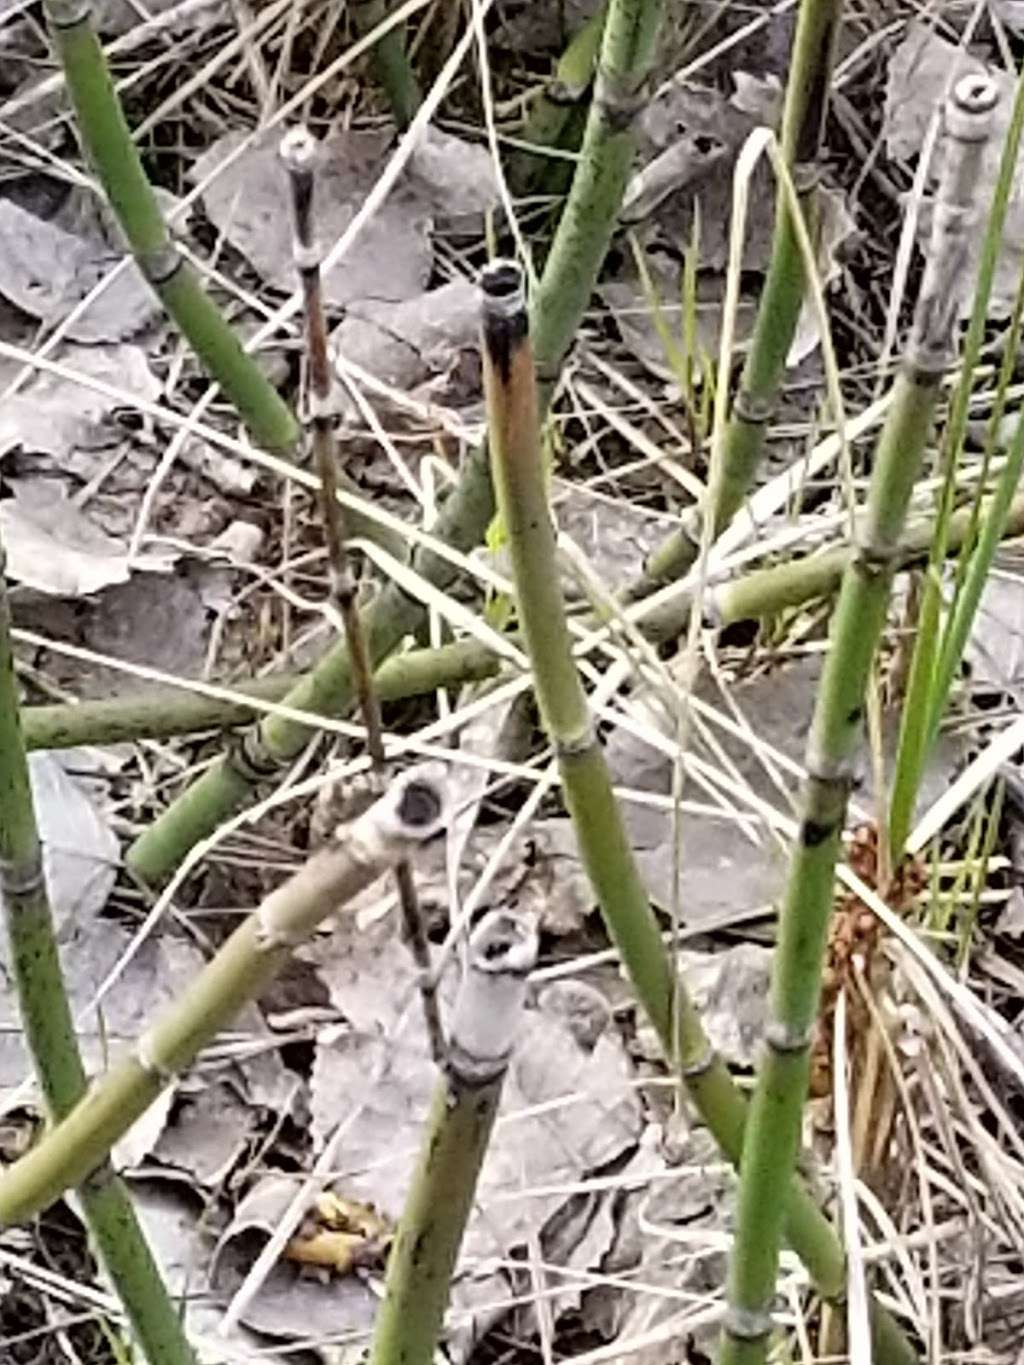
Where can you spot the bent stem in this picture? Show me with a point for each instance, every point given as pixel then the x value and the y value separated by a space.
pixel 488 1010
pixel 774 1129
pixel 412 809
pixel 570 271
pixel 781 297
pixel 108 144
pixel 605 850
pixel 50 1034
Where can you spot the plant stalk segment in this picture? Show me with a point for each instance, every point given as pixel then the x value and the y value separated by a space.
pixel 782 294
pixel 391 63
pixel 514 440
pixel 411 810
pixel 774 1129
pixel 108 144
pixel 50 1035
pixel 502 952
pixel 299 154
pixel 570 271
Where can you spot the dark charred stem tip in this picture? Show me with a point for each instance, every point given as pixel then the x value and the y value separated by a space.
pixel 503 288
pixel 420 805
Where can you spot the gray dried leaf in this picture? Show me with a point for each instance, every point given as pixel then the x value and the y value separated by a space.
pixel 422 338
pixel 80 851
pixel 90 948
pixel 54 415
pixel 55 548
pixel 995 648
pixel 248 201
pixel 455 178
pixel 569 1107
pixel 664 1204
pixel 48 272
pixel 615 534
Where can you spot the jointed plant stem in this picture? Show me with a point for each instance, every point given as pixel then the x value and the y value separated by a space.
pixel 298 152
pixel 774 1129
pixel 50 1034
pixel 109 146
pixel 571 269
pixel 781 295
pixel 487 1016
pixel 931 675
pixel 604 844
pixel 411 810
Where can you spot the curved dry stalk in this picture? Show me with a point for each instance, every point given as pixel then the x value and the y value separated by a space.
pixel 781 298
pixel 413 809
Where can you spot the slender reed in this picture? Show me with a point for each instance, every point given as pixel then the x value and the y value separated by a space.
pixel 778 308
pixel 50 1035
pixel 579 248
pixel 299 154
pixel 774 1128
pixel 412 809
pixel 930 677
pixel 604 844
pixel 108 144
pixel 391 64
pixel 488 1012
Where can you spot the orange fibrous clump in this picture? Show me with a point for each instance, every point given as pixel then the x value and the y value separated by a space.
pixel 854 938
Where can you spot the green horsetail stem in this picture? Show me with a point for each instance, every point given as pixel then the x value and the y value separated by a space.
pixel 774 1128
pixel 487 1017
pixel 579 248
pixel 555 106
pixel 108 144
pixel 743 597
pixel 390 58
pixel 937 652
pixel 781 298
pixel 412 809
pixel 515 445
pixel 50 1034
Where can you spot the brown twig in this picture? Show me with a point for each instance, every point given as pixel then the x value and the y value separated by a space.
pixel 299 155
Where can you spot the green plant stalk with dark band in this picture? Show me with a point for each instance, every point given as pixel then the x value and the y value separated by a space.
pixel 570 272
pixel 774 1128
pixel 413 809
pixel 514 439
pixel 487 1017
pixel 108 144
pixel 50 1035
pixel 781 298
